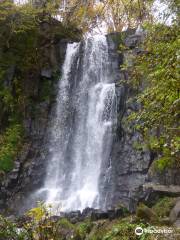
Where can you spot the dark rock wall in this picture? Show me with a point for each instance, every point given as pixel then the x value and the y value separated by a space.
pixel 128 166
pixel 29 169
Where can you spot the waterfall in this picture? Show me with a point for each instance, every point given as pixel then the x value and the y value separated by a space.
pixel 81 130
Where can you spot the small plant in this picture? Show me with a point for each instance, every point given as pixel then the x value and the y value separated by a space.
pixel 10 143
pixel 123 231
pixel 41 227
pixel 163 163
pixel 84 228
pixel 10 231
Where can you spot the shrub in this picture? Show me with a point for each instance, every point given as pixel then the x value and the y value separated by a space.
pixel 84 228
pixel 155 77
pixel 10 143
pixel 124 231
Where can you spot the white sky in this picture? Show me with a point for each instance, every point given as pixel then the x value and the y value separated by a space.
pixel 20 1
pixel 160 10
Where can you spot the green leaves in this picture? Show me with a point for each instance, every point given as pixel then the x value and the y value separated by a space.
pixel 157 71
pixel 10 143
pixel 27 35
pixel 163 163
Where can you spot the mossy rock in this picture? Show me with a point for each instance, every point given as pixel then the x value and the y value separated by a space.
pixel 163 206
pixel 147 214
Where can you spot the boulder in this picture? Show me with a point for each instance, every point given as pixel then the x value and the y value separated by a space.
pixel 98 215
pixel 74 216
pixel 115 213
pixel 133 41
pixel 147 214
pixel 153 192
pixel 87 212
pixel 175 214
pixel 177 223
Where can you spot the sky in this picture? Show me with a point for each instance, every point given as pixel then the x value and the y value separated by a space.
pixel 159 10
pixel 20 1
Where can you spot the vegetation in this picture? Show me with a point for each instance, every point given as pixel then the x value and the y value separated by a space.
pixel 25 33
pixel 39 224
pixel 10 143
pixel 163 206
pixel 156 78
pixel 23 42
pixel 116 13
pixel 85 228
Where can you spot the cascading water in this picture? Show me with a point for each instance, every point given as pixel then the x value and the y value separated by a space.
pixel 82 127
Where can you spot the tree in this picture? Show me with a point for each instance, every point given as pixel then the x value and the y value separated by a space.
pixel 22 43
pixel 157 71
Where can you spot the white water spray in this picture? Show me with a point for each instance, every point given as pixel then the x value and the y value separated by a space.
pixel 82 127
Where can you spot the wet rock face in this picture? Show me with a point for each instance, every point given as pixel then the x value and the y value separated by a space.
pixel 128 166
pixel 29 168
